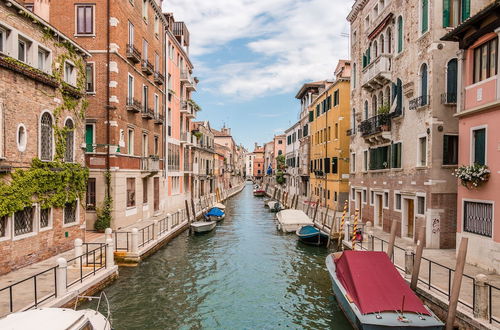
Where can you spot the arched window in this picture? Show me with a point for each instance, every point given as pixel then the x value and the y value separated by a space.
pixel 46 136
pixel 380 98
pixel 423 84
pixel 389 41
pixel 400 34
pixel 451 82
pixel 382 41
pixel 387 94
pixel 374 105
pixel 366 109
pixel 354 75
pixel 375 49
pixel 70 140
pixel 353 120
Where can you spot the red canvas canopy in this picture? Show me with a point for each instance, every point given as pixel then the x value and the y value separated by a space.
pixel 374 284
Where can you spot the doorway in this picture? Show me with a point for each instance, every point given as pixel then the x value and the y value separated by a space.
pixel 379 210
pixel 358 203
pixel 409 217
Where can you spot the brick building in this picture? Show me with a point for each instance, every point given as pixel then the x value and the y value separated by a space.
pixel 41 111
pixel 126 95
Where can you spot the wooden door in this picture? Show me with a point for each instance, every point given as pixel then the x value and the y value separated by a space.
pixel 379 202
pixel 411 218
pixel 156 194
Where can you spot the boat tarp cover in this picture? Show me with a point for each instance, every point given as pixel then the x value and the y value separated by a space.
pixel 308 230
pixel 215 212
pixel 374 284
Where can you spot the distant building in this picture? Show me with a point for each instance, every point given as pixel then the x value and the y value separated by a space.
pixel 203 159
pixel 478 113
pixel 292 158
pixel 258 162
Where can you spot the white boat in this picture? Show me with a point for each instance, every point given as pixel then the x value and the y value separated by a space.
pixel 58 318
pixel 290 220
pixel 271 204
pixel 220 206
pixel 203 226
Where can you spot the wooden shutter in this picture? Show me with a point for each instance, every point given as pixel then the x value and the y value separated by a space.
pixel 327 165
pixel 446 13
pixel 334 165
pixel 311 116
pixel 89 138
pixel 399 96
pixel 465 9
pixel 400 34
pixel 479 146
pixel 425 15
pixel 451 81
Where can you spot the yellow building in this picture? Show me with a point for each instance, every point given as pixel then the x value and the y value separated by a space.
pixel 329 117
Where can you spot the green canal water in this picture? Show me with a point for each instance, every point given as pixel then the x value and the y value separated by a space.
pixel 243 275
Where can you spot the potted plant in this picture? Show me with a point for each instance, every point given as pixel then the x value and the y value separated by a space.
pixel 383 112
pixel 472 176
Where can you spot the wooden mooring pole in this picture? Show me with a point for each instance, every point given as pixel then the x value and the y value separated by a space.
pixel 418 259
pixel 341 229
pixel 187 214
pixel 457 283
pixel 392 239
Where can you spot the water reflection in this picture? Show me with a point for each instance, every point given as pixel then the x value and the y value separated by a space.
pixel 244 275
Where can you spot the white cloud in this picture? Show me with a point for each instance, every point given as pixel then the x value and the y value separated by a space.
pixel 293 41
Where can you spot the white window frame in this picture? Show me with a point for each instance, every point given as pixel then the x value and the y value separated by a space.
pixel 472 149
pixel 157 26
pixel 419 153
pixel 93 78
pixel 47 67
pixel 424 196
pixel 353 162
pixel 93 20
pixel 51 219
pixel 20 145
pixel 145 11
pixel 156 104
pixel 72 79
pixel 130 146
pixel 74 137
pixel 385 201
pixel 397 192
pixel 8 229
pixel 129 97
pixel 35 226
pixel 21 39
pixel 77 218
pixel 3 40
pixel 364 195
pixel 40 136
pixel 372 197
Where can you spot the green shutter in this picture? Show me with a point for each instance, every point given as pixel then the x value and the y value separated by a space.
pixel 368 54
pixel 465 9
pixel 479 146
pixel 425 15
pixel 311 117
pixel 334 165
pixel 446 13
pixel 400 34
pixel 364 60
pixel 89 138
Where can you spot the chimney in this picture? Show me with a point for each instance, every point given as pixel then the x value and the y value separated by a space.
pixel 42 9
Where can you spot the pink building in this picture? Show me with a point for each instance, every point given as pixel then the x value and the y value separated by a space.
pixel 478 111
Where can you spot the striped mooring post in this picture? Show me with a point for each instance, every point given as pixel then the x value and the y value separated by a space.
pixel 342 222
pixel 354 230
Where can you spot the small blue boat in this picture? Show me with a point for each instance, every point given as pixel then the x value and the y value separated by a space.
pixel 215 214
pixel 311 235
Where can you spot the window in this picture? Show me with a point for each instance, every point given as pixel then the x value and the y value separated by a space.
pixel 84 19
pixel 424 25
pixel 130 34
pixel 396 154
pixel 365 160
pixel 372 197
pixel 89 137
pixel 423 84
pixel 91 194
pixel 43 56
pixel 455 12
pixel 386 199
pixel 400 34
pixel 69 73
pixel 21 50
pixel 397 201
pixel 364 196
pixel 366 110
pixel 479 146
pixel 70 141
pixel 354 75
pixel 157 26
pixel 144 145
pixel 156 104
pixel 379 158
pixel 478 218
pixel 450 149
pixel 336 99
pixel 421 205
pixel 422 151
pixel 336 131
pixel 24 221
pixel 353 162
pixel 130 192
pixel 156 146
pixel 46 137
pixel 70 213
pixel 4 226
pixel 451 82
pixel 89 78
pixel 485 60
pixel 145 10
pixel 280 141
pixel 389 41
pixel 130 88
pixel 145 190
pixel 29 6
pixel 144 49
pixel 21 137
pixel 3 36
pixel 145 97
pixel 130 143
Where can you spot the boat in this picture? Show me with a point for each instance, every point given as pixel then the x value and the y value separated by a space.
pixel 290 220
pixel 59 318
pixel 276 207
pixel 203 226
pixel 311 235
pixel 373 294
pixel 220 206
pixel 270 203
pixel 215 214
pixel 259 192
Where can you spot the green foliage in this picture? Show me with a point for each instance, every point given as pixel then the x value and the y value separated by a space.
pixel 195 105
pixel 51 184
pixel 280 177
pixel 104 218
pixel 280 162
pixel 384 109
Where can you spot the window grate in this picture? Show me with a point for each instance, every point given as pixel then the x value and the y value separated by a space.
pixel 68 155
pixel 478 218
pixel 23 221
pixel 70 213
pixel 46 137
pixel 3 226
pixel 44 218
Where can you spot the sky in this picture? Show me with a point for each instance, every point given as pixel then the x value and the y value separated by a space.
pixel 252 56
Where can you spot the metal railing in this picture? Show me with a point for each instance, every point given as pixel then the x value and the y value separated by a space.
pixel 375 125
pixel 133 53
pixel 146 234
pixel 38 297
pixel 159 78
pixel 127 240
pixel 449 98
pixel 90 262
pixel 147 67
pixel 492 290
pixel 418 102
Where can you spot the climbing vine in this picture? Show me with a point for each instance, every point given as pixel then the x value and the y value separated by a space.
pixel 55 183
pixel 103 212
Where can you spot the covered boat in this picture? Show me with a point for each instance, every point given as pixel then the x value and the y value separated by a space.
pixel 215 214
pixel 312 235
pixel 373 295
pixel 201 227
pixel 220 206
pixel 259 192
pixel 290 220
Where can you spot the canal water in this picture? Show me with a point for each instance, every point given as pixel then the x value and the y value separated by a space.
pixel 242 275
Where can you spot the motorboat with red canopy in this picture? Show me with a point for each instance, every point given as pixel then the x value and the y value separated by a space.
pixel 373 294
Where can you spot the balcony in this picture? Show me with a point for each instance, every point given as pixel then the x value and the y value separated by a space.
pixel 150 164
pixel 159 119
pixel 188 80
pixel 186 138
pixel 449 98
pixel 185 107
pixel 419 102
pixel 133 105
pixel 133 54
pixel 147 67
pixel 148 113
pixel 377 73
pixel 159 78
pixel 376 129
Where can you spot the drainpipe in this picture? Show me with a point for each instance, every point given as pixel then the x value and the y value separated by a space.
pixel 108 105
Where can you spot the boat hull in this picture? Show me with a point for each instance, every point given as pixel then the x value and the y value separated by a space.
pixel 203 226
pixel 259 193
pixel 388 320
pixel 216 218
pixel 320 239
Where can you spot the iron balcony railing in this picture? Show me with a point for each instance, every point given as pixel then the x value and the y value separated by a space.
pixel 159 78
pixel 418 102
pixel 150 164
pixel 133 105
pixel 375 124
pixel 159 119
pixel 449 98
pixel 147 67
pixel 148 113
pixel 133 53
